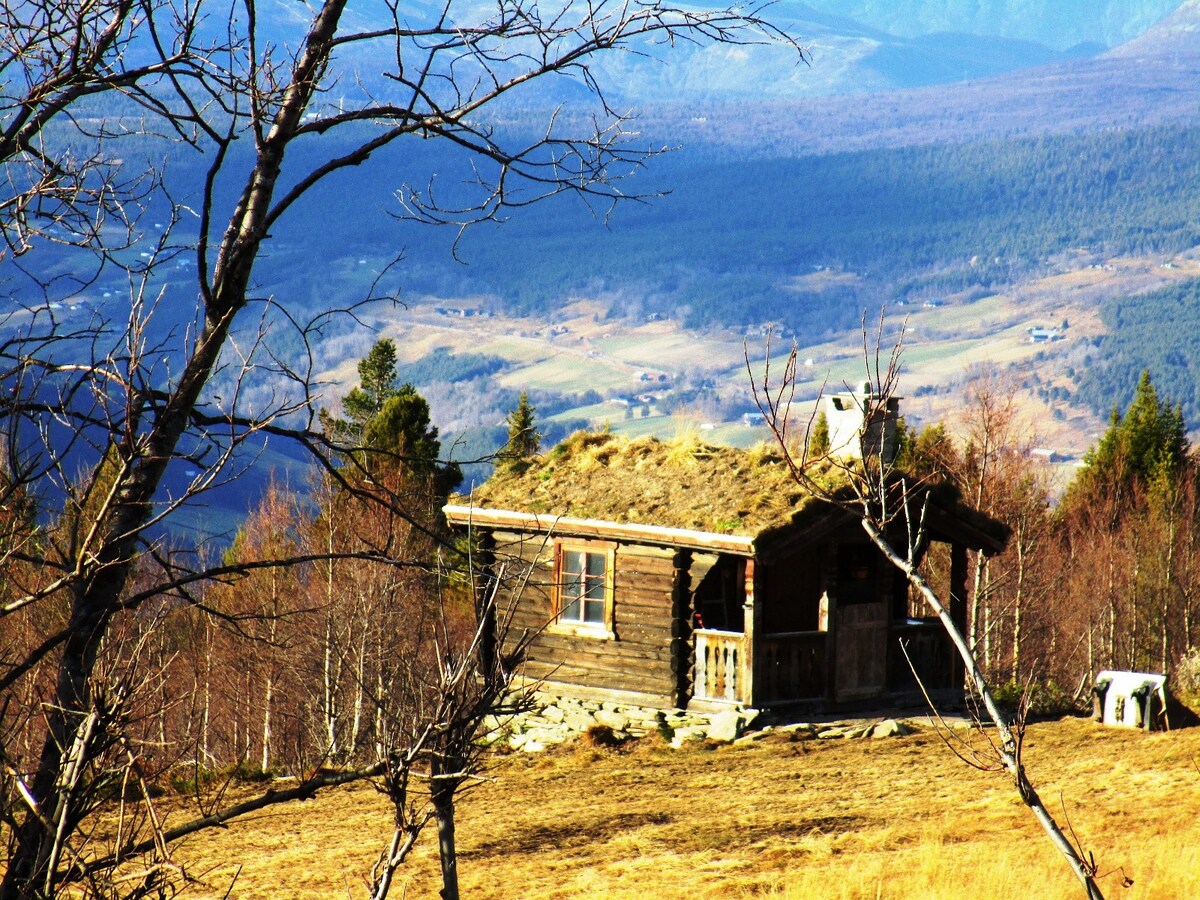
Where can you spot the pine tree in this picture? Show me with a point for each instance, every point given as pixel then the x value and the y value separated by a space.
pixel 401 433
pixel 1149 439
pixel 1148 444
pixel 378 383
pixel 391 421
pixel 523 437
pixel 818 440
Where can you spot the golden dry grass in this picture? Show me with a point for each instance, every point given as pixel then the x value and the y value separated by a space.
pixel 779 818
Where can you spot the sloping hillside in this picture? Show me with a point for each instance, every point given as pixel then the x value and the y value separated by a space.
pixel 781 817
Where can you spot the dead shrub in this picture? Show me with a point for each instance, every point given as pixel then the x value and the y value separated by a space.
pixel 602 737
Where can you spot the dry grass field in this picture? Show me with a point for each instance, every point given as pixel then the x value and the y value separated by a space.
pixel 779 818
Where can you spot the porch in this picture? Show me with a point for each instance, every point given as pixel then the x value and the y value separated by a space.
pixel 806 666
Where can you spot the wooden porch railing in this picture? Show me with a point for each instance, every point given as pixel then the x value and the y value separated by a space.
pixel 718 674
pixel 791 666
pixel 794 665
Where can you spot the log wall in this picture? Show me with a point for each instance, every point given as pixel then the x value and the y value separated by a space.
pixel 642 654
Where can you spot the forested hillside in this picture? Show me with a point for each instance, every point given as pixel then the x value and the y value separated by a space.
pixel 728 242
pixel 723 248
pixel 1156 331
pixel 738 243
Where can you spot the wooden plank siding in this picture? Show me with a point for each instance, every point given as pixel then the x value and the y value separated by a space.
pixel 647 645
pixel 643 653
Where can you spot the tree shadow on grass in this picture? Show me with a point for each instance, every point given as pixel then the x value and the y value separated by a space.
pixel 690 833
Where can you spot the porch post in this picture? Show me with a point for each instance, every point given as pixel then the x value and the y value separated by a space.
pixel 749 628
pixel 681 629
pixel 829 585
pixel 485 587
pixel 958 603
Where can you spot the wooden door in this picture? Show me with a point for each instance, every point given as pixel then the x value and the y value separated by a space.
pixel 860 639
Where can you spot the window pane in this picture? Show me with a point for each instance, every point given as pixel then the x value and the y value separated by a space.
pixel 593 611
pixel 573 562
pixel 572 584
pixel 584 586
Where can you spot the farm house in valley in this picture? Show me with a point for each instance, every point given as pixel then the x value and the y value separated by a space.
pixel 679 575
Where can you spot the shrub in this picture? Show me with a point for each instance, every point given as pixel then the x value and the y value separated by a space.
pixel 1046 699
pixel 1185 676
pixel 601 736
pixel 192 777
pixel 665 731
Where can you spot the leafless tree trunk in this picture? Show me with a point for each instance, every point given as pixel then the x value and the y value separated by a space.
pixel 465 687
pixel 130 405
pixel 1018 600
pixel 1008 748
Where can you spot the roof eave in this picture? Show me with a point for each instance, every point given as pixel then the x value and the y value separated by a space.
pixel 566 526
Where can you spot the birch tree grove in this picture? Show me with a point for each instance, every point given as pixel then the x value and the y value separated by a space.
pixel 117 422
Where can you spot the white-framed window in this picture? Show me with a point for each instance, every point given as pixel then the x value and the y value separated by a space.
pixel 583 596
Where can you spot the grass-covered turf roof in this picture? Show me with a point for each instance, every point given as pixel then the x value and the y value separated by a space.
pixel 682 483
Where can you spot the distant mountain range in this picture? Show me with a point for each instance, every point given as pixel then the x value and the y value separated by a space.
pixel 1056 24
pixel 1177 34
pixel 854 46
pixel 1153 79
pixel 863 47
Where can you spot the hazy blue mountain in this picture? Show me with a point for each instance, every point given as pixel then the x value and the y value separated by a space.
pixel 1176 36
pixel 846 57
pixel 1058 24
pixel 872 46
pixel 854 47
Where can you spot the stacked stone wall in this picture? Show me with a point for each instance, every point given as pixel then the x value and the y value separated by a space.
pixel 554 720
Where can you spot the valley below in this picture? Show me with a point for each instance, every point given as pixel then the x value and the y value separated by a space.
pixel 659 377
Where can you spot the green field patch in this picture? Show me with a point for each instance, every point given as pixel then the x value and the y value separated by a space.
pixel 660 426
pixel 736 434
pixel 676 349
pixel 514 349
pixel 568 372
pixel 667 427
pixel 924 354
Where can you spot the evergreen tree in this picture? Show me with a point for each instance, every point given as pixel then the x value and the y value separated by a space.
pixel 928 453
pixel 378 376
pixel 818 440
pixel 401 433
pixel 523 436
pixel 391 422
pixel 1150 439
pixel 1146 445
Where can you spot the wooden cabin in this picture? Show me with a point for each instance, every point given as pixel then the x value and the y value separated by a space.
pixel 678 575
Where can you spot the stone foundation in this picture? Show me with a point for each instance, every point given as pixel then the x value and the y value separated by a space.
pixel 555 720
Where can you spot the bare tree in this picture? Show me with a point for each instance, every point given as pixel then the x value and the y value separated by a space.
pixel 892 505
pixel 434 741
pixel 96 411
pixel 997 474
pixel 77 79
